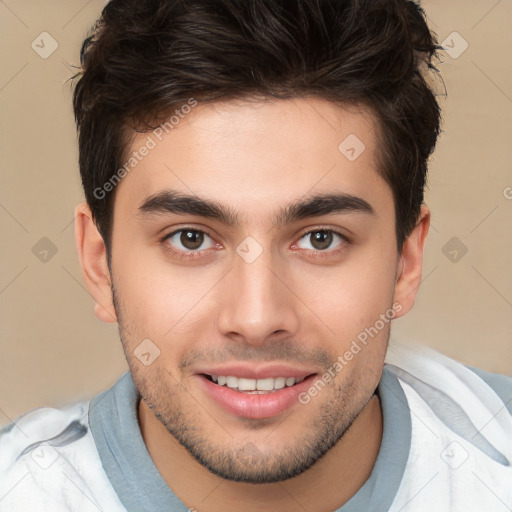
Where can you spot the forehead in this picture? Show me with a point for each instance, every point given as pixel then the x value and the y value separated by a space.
pixel 253 153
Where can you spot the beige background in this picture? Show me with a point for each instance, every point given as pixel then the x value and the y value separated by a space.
pixel 54 351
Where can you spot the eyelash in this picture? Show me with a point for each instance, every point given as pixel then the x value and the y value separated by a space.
pixel 185 255
pixel 193 255
pixel 329 252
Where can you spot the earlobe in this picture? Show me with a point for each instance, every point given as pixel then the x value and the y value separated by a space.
pixel 410 264
pixel 93 261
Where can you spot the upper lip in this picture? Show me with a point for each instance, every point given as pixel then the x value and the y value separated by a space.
pixel 251 371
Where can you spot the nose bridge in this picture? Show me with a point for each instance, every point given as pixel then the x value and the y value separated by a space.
pixel 256 304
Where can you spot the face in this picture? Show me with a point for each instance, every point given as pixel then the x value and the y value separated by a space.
pixel 254 254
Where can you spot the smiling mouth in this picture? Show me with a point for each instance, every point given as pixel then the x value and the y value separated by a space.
pixel 254 386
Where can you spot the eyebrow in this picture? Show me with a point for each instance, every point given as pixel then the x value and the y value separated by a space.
pixel 169 201
pixel 323 204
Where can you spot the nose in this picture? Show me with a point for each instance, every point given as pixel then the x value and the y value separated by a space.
pixel 256 302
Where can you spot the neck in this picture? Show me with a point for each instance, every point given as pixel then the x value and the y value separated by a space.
pixel 336 477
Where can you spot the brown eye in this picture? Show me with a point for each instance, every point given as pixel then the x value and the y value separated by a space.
pixel 191 240
pixel 187 240
pixel 321 240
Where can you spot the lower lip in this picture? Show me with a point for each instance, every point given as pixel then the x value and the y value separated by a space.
pixel 255 406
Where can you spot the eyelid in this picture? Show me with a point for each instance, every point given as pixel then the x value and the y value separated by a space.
pixel 186 228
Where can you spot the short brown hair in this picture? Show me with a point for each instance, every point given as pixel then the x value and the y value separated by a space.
pixel 145 59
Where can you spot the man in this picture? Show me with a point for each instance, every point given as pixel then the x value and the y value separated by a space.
pixel 254 221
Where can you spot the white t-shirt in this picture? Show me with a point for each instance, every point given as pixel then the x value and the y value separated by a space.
pixel 446 447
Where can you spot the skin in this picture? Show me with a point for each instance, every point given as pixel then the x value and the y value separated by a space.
pixel 292 304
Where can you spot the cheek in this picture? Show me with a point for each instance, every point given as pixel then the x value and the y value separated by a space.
pixel 352 296
pixel 160 300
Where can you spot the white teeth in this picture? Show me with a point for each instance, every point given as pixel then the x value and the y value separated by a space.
pixel 231 382
pixel 279 382
pixel 246 384
pixel 256 386
pixel 265 384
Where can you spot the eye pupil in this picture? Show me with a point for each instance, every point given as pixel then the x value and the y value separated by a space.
pixel 191 239
pixel 321 239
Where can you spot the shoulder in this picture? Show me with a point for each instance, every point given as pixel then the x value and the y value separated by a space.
pixel 457 402
pixel 48 461
pixel 431 372
pixel 501 385
pixel 461 432
pixel 44 425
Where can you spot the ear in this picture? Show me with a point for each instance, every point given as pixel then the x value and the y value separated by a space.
pixel 410 264
pixel 93 260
